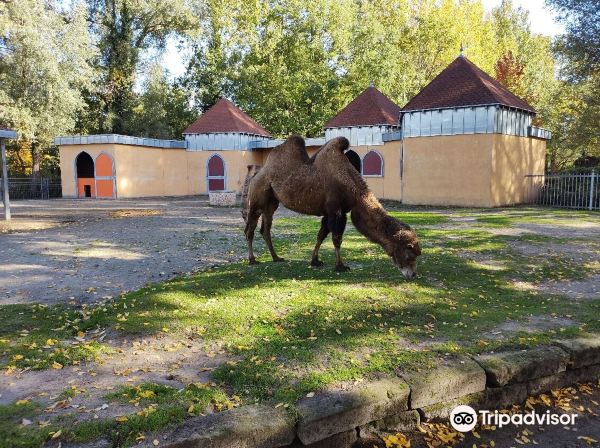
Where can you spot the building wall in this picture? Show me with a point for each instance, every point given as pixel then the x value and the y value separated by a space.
pixel 465 170
pixel 149 171
pixel 68 153
pixel 389 185
pixel 448 170
pixel 512 159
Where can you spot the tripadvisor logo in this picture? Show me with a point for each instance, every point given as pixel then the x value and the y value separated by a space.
pixel 464 418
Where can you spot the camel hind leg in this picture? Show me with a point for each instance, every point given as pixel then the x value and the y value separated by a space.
pixel 337 225
pixel 251 222
pixel 267 222
pixel 323 232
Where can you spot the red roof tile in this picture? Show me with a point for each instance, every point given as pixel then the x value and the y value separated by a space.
pixel 224 116
pixel 462 83
pixel 370 108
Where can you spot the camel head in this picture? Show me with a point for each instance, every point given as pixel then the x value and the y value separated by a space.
pixel 404 249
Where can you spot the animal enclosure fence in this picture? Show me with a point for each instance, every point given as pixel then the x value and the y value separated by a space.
pixel 30 188
pixel 574 191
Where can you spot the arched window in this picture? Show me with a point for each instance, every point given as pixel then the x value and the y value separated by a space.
pixel 354 159
pixel 372 164
pixel 215 173
pixel 85 165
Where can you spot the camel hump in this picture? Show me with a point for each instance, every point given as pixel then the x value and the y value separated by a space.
pixel 295 141
pixel 293 148
pixel 333 149
pixel 339 144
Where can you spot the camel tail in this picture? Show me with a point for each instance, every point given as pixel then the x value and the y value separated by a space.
pixel 252 171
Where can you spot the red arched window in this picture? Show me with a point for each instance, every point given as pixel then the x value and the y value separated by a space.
pixel 215 173
pixel 372 164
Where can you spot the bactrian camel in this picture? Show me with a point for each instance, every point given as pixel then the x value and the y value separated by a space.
pixel 326 185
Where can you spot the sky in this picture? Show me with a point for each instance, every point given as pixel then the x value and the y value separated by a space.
pixel 541 18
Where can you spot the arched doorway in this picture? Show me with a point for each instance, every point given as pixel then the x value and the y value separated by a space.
pixel 84 167
pixel 354 159
pixel 215 173
pixel 105 176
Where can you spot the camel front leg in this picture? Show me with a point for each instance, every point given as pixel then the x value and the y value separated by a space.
pixel 323 232
pixel 337 225
pixel 265 230
pixel 249 232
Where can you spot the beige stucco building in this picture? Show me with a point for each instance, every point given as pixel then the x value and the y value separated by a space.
pixel 463 140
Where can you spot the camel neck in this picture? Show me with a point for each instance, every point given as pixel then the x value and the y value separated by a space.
pixel 370 218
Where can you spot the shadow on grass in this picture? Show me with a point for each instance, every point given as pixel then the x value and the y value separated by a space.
pixel 291 329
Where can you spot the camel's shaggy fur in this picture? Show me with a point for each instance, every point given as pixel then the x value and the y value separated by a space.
pixel 324 185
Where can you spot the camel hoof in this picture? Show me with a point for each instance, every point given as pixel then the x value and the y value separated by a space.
pixel 316 263
pixel 278 259
pixel 342 268
pixel 253 261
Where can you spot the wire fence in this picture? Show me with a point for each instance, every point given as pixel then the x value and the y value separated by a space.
pixel 30 188
pixel 574 191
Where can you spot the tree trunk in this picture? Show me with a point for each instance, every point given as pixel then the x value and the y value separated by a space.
pixel 35 161
pixel 36 157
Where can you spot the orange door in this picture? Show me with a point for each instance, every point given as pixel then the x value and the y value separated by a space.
pixel 86 188
pixel 105 178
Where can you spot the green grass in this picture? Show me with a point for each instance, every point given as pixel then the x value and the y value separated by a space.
pixel 291 329
pixel 13 434
pixel 159 406
pixel 519 215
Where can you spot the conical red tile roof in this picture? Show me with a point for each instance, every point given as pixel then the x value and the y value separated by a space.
pixel 370 108
pixel 462 83
pixel 225 116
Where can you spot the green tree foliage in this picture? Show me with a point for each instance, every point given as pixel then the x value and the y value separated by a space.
pixel 125 29
pixel 579 54
pixel 45 56
pixel 288 77
pixel 290 64
pixel 162 108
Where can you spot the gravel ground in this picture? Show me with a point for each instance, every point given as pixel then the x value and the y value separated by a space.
pixel 60 250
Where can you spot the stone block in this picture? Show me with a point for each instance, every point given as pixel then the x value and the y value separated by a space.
pixel 341 440
pixel 563 379
pixel 254 426
pixel 444 382
pixel 490 398
pixel 403 421
pixel 522 365
pixel 330 413
pixel 584 350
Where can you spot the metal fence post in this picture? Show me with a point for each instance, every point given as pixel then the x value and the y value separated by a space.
pixel 5 180
pixel 44 188
pixel 591 205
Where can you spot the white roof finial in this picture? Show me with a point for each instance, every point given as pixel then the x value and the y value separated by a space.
pixel 462 51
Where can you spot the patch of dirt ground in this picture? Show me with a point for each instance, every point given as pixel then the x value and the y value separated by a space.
pixel 87 250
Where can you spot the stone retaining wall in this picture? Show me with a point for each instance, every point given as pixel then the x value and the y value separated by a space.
pixel 336 419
